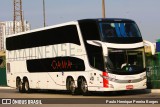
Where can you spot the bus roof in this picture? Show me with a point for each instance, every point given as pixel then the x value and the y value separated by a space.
pixel 107 19
pixel 71 22
pixel 43 28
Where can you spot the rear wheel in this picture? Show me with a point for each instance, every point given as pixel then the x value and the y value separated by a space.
pixel 20 86
pixel 17 83
pixel 26 86
pixel 84 87
pixel 71 85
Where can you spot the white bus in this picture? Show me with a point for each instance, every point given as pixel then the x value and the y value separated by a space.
pixel 79 56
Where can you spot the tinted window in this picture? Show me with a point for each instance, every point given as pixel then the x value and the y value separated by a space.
pixel 90 31
pixel 95 56
pixel 125 62
pixel 56 64
pixel 120 32
pixel 65 34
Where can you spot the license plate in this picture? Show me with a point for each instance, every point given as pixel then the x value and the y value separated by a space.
pixel 128 87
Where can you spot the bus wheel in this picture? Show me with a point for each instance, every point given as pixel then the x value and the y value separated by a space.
pixel 20 86
pixel 71 84
pixel 84 87
pixel 17 83
pixel 26 86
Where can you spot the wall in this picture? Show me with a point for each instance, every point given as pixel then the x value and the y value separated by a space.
pixel 3 80
pixel 153 71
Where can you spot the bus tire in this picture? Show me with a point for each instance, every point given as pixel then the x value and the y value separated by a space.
pixel 71 85
pixel 68 84
pixel 20 87
pixel 84 87
pixel 17 82
pixel 26 86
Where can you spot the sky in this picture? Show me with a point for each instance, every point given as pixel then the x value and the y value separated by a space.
pixel 145 12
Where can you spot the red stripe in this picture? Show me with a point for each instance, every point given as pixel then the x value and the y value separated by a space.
pixel 105 81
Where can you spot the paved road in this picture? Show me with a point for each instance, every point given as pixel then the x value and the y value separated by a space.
pixel 13 93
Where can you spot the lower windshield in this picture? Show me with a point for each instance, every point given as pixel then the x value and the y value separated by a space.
pixel 125 61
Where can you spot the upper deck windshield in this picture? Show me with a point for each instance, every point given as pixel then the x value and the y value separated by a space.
pixel 124 32
pixel 125 61
pixel 110 30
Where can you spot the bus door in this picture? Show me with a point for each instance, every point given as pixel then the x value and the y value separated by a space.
pixel 10 78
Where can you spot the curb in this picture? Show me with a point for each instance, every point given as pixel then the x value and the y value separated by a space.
pixel 5 87
pixel 152 91
pixel 155 90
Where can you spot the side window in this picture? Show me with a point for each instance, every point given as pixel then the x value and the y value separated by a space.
pixel 56 64
pixel 95 57
pixel 70 34
pixel 90 31
pixel 59 35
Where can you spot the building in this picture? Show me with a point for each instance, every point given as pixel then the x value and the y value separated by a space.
pixel 2 26
pixel 6 28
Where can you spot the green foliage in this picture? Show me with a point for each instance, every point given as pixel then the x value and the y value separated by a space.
pixel 3 62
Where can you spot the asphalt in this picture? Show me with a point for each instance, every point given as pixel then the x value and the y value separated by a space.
pixel 147 90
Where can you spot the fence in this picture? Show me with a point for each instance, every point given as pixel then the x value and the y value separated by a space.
pixel 3 81
pixel 153 71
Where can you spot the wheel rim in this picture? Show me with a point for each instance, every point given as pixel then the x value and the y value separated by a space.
pixel 68 84
pixel 20 85
pixel 72 86
pixel 17 83
pixel 84 86
pixel 26 86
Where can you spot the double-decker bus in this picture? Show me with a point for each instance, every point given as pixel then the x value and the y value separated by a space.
pixel 79 56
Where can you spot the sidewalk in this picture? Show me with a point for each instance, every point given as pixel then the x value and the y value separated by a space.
pixel 153 90
pixel 6 87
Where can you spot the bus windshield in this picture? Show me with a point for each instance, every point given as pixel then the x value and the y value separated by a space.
pixel 125 61
pixel 118 29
